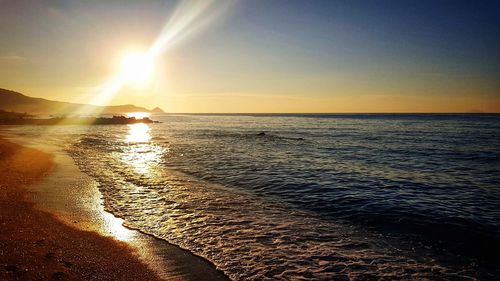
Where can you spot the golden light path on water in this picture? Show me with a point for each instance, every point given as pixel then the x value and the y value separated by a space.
pixel 138 115
pixel 141 154
pixel 138 133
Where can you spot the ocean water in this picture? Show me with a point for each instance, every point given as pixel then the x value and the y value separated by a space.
pixel 308 197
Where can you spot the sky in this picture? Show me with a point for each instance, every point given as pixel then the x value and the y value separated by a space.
pixel 260 55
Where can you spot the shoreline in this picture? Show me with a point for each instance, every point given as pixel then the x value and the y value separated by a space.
pixel 73 200
pixel 36 245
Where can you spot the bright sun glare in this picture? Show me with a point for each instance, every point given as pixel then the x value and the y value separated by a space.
pixel 137 68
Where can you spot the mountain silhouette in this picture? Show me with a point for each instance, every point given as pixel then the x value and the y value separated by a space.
pixel 17 102
pixel 157 110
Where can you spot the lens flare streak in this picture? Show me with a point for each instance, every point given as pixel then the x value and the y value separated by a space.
pixel 188 17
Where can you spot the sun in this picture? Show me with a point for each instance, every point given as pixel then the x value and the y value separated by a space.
pixel 137 68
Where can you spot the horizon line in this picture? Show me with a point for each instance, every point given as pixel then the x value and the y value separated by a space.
pixel 324 113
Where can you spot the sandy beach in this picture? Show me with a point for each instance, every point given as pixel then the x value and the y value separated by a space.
pixel 35 245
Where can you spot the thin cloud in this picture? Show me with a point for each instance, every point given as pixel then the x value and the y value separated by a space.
pixel 431 74
pixel 12 58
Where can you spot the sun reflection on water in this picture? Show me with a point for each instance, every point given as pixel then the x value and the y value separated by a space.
pixel 114 226
pixel 141 154
pixel 138 115
pixel 138 133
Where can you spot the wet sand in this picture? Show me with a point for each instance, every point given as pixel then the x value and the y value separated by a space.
pixel 35 245
pixel 69 196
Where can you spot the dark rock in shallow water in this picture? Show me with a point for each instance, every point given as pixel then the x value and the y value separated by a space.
pixel 262 134
pixel 115 120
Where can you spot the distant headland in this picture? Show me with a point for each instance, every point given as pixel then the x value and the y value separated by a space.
pixel 16 102
pixel 18 109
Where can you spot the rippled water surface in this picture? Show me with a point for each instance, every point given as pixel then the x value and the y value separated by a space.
pixel 309 197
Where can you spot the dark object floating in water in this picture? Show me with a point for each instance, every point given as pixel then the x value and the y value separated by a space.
pixel 262 134
pixel 11 118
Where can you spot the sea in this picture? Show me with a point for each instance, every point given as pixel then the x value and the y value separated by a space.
pixel 306 196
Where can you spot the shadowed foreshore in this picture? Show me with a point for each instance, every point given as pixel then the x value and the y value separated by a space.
pixel 34 245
